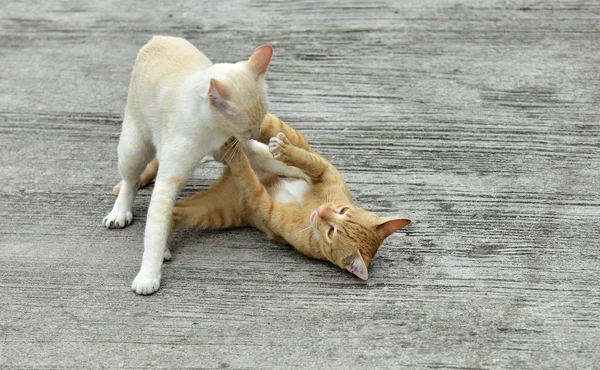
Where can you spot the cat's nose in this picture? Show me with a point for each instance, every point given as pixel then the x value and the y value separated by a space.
pixel 324 213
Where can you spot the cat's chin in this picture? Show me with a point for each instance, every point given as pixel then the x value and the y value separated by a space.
pixel 243 138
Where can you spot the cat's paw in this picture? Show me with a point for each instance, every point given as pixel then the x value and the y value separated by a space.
pixel 117 219
pixel 227 151
pixel 167 255
pixel 145 284
pixel 278 146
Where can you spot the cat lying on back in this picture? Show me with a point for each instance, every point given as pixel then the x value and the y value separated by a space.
pixel 312 210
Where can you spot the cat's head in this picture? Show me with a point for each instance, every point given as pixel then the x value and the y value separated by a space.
pixel 238 93
pixel 349 236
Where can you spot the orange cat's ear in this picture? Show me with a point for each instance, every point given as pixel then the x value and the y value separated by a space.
pixel 388 226
pixel 260 59
pixel 356 265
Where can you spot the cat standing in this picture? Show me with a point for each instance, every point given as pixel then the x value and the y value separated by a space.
pixel 180 107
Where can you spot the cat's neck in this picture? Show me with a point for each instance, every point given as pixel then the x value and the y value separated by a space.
pixel 206 126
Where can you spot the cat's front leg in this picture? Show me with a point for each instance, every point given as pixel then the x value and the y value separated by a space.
pixel 172 174
pixel 249 185
pixel 261 160
pixel 309 163
pixel 272 125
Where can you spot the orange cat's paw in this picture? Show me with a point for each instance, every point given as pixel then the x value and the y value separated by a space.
pixel 226 151
pixel 279 146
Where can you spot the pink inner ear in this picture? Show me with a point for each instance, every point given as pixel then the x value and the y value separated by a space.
pixel 358 268
pixel 216 95
pixel 260 59
pixel 216 90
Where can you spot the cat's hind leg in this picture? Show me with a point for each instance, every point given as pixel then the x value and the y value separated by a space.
pixel 134 151
pixel 311 164
pixel 146 178
pixel 216 208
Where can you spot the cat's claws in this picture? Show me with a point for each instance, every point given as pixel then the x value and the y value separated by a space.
pixel 145 285
pixel 281 136
pixel 117 219
pixel 278 145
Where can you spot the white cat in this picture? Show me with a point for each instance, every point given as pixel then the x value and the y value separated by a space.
pixel 180 108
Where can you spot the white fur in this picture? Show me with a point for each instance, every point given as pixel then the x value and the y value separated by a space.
pixel 262 160
pixel 293 182
pixel 291 191
pixel 168 115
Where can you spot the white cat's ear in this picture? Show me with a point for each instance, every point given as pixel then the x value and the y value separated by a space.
pixel 217 93
pixel 357 266
pixel 260 59
pixel 388 226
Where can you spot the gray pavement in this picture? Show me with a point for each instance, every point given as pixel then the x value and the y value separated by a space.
pixel 478 120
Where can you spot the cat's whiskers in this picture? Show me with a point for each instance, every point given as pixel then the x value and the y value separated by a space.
pixel 305 230
pixel 335 196
pixel 340 188
pixel 231 151
pixel 238 149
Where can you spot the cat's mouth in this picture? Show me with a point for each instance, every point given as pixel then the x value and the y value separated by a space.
pixel 244 137
pixel 312 216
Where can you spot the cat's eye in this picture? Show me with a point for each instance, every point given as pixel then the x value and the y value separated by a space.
pixel 344 210
pixel 330 232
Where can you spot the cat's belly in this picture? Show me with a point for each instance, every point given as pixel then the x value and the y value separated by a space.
pixel 291 191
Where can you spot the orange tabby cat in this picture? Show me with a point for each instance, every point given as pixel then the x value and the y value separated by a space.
pixel 314 214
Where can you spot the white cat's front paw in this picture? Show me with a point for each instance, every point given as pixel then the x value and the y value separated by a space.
pixel 145 284
pixel 117 219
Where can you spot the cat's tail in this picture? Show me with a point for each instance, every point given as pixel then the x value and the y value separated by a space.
pixel 272 125
pixel 146 178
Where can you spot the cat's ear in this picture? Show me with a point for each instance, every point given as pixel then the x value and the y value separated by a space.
pixel 388 226
pixel 217 94
pixel 356 265
pixel 217 91
pixel 260 59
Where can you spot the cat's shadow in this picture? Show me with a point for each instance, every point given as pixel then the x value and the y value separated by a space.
pixel 236 239
pixel 252 245
pixel 184 243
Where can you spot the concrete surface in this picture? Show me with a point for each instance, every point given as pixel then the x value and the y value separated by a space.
pixel 478 120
